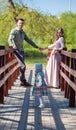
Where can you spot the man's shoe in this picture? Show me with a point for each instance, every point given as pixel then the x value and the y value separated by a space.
pixel 21 84
pixel 25 84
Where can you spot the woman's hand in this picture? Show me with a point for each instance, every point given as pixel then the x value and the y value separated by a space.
pixel 54 51
pixel 42 49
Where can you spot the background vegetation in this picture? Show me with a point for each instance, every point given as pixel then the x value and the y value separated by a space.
pixel 39 27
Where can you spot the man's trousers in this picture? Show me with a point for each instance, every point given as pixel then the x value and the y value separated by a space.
pixel 20 56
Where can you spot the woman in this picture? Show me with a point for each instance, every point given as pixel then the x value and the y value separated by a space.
pixel 53 65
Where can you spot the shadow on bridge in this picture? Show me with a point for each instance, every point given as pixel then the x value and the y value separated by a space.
pixel 32 118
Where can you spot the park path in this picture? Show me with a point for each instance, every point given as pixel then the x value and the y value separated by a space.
pixel 19 112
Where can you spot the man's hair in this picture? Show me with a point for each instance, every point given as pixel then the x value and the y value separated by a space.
pixel 20 19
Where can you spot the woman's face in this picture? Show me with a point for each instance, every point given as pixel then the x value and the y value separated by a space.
pixel 59 33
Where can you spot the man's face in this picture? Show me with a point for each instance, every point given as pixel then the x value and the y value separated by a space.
pixel 20 24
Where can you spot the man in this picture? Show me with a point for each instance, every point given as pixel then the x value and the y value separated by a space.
pixel 15 40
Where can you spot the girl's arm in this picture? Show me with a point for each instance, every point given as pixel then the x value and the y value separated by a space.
pixel 39 81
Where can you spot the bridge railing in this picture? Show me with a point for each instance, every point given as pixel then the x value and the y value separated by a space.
pixel 68 74
pixel 9 71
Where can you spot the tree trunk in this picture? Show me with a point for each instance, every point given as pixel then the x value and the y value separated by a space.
pixel 11 3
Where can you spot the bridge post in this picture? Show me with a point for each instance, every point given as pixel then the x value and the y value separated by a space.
pixel 8 80
pixel 71 90
pixel 62 81
pixel 66 86
pixel 2 88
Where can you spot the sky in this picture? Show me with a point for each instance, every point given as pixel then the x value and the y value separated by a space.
pixel 53 7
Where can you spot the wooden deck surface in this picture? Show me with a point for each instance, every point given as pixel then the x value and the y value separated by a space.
pixel 19 112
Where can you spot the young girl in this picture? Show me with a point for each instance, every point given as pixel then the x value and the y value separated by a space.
pixel 40 87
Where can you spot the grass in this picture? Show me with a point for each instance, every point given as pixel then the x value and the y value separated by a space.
pixel 34 60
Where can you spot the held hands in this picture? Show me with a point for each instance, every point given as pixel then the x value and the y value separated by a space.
pixel 42 49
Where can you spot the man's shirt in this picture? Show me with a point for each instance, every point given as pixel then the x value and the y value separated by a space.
pixel 16 39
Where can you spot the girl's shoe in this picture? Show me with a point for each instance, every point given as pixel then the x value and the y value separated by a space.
pixel 41 105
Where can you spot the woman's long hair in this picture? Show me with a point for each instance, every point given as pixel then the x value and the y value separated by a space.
pixel 61 33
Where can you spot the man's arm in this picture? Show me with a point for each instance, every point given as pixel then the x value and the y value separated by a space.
pixel 30 42
pixel 11 39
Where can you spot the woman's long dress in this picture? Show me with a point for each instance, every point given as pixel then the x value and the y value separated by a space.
pixel 53 65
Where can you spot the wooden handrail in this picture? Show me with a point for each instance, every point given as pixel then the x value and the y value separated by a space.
pixel 71 71
pixel 8 75
pixel 2 69
pixel 9 71
pixel 72 84
pixel 69 54
pixel 68 74
pixel 2 52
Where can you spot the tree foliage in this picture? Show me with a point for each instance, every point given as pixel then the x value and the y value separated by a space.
pixel 39 27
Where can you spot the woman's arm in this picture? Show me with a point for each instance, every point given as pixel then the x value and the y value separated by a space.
pixel 51 46
pixel 62 44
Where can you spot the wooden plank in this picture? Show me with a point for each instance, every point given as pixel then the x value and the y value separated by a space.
pixel 70 70
pixel 2 69
pixel 69 54
pixel 8 74
pixel 2 52
pixel 72 84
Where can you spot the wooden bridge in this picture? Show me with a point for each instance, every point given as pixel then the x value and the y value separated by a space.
pixel 17 110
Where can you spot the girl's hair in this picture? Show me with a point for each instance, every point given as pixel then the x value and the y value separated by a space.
pixel 38 68
pixel 61 33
